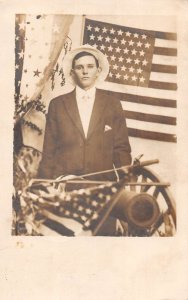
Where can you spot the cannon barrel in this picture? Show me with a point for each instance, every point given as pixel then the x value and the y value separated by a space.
pixel 140 210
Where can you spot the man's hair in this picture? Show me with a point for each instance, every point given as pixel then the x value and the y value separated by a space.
pixel 81 54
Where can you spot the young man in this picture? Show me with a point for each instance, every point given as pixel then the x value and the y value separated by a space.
pixel 85 129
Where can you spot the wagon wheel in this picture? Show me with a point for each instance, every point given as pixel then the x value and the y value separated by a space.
pixel 150 184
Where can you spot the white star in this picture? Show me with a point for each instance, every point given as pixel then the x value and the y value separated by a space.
pixel 94 203
pixel 110 48
pixel 147 45
pixel 142 53
pixel 100 38
pixel 139 44
pixel 136 35
pixel 115 40
pixel 97 29
pixel 131 69
pixel 21 54
pixel 89 27
pixel 56 28
pixel 136 61
pixel 123 68
pixel 126 50
pixel 118 49
pixel 102 47
pixel 17 38
pixel 16 67
pixel 104 30
pixel 115 67
pixel 107 39
pixel 133 52
pixel 139 71
pixel 112 57
pixel 123 42
pixel 142 79
pixel 19 82
pixel 128 33
pixel 120 32
pixel 118 76
pixel 134 78
pixel 91 37
pixel 131 43
pixel 112 31
pixel 120 59
pixel 95 45
pixel 110 74
pixel 22 25
pixel 125 76
pixel 144 36
pixel 144 62
pixel 88 210
pixel 128 60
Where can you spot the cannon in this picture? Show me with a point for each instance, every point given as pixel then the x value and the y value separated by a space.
pixel 140 202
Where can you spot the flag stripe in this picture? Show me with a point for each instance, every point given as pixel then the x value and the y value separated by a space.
pixel 164 68
pixel 166 35
pixel 165 43
pixel 164 60
pixel 150 117
pixel 155 127
pixel 58 227
pixel 162 85
pixel 165 51
pixel 165 77
pixel 163 137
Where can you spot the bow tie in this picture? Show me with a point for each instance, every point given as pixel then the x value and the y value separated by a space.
pixel 85 97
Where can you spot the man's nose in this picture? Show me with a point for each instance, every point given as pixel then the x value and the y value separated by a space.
pixel 85 70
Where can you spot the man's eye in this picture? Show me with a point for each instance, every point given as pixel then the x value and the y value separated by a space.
pixel 91 66
pixel 78 67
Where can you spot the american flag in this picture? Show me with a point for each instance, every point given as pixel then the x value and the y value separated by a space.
pixel 89 207
pixel 142 75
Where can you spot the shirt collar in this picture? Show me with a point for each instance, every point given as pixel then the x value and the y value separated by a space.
pixel 80 92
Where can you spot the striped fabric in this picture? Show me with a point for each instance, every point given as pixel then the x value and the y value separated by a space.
pixel 143 75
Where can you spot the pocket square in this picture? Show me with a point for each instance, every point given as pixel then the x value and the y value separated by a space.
pixel 107 127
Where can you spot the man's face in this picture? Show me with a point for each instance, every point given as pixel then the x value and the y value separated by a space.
pixel 85 72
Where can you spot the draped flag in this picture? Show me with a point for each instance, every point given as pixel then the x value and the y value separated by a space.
pixel 142 75
pixel 89 207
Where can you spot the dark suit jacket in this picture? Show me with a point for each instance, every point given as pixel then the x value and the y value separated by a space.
pixel 67 151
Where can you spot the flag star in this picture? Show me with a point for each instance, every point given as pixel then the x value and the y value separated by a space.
pixel 139 70
pixel 100 38
pixel 126 50
pixel 84 218
pixel 123 42
pixel 120 59
pixel 17 38
pixel 110 74
pixel 88 210
pixel 131 69
pixel 104 30
pixel 133 52
pixel 110 48
pixel 108 197
pixel 114 189
pixel 134 78
pixel 107 39
pixel 128 33
pixel 102 47
pixel 67 213
pixel 112 31
pixel 135 35
pixel 80 208
pixel 16 66
pixel 94 203
pixel 118 49
pixel 22 25
pixel 56 29
pixel 36 73
pixel 118 76
pixel 115 67
pixel 75 215
pixel 115 40
pixel 89 27
pixel 19 82
pixel 136 61
pixel 139 44
pixel 144 36
pixel 21 54
pixel 123 68
pixel 112 57
pixel 147 45
pixel 95 216
pixel 97 29
pixel 94 45
pixel 144 62
pixel 131 43
pixel 142 79
pixel 91 37
pixel 128 60
pixel 120 32
pixel 141 53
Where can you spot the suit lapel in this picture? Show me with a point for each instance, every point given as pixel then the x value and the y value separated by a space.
pixel 99 106
pixel 72 109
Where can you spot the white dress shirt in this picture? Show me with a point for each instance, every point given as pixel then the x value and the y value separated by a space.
pixel 85 102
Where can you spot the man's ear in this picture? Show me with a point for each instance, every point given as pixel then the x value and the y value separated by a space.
pixel 99 71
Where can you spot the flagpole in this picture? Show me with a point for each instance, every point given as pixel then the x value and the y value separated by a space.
pixel 82 31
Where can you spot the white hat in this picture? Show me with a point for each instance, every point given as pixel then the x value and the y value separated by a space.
pixel 103 62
